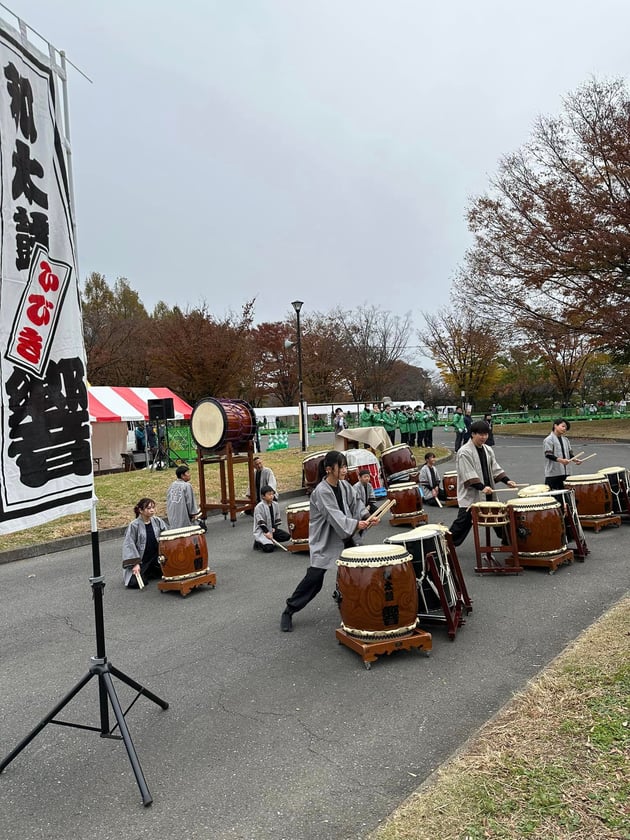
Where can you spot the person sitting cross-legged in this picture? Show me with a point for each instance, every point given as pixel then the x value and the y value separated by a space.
pixel 267 521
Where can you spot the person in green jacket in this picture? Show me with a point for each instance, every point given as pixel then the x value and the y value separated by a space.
pixel 420 425
pixel 403 425
pixel 429 423
pixel 388 419
pixel 459 424
pixel 367 416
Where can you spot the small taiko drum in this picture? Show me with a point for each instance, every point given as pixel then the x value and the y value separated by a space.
pixel 215 423
pixel 420 542
pixel 533 490
pixel 408 499
pixel 619 481
pixel 376 592
pixel 183 553
pixel 593 495
pixel 298 516
pixel 491 514
pixel 353 474
pixel 399 464
pixel 449 485
pixel 310 469
pixel 539 526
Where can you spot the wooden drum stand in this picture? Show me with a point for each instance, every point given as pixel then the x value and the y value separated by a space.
pixel 226 458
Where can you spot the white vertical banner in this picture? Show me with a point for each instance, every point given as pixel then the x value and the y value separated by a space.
pixel 45 455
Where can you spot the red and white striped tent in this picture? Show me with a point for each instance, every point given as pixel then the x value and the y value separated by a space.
pixel 113 408
pixel 116 404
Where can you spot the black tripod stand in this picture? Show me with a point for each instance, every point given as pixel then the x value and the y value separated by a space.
pixel 104 670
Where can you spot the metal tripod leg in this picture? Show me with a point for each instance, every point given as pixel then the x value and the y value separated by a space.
pixel 45 721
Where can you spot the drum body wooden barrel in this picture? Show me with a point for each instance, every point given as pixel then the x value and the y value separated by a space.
pixel 376 590
pixel 399 464
pixel 298 517
pixel 449 485
pixel 183 553
pixel 539 525
pixel 310 468
pixel 215 423
pixel 593 495
pixel 408 499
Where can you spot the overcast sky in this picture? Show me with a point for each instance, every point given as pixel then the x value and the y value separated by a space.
pixel 315 149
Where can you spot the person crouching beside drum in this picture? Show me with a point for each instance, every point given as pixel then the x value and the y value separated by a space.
pixel 267 521
pixel 477 471
pixel 429 480
pixel 140 549
pixel 334 517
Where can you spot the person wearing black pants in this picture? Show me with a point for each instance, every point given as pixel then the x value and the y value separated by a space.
pixel 334 516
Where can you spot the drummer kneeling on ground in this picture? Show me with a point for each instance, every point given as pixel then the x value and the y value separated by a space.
pixel 267 531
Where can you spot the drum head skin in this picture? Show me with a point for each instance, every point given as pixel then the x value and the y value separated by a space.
pixel 533 490
pixel 208 424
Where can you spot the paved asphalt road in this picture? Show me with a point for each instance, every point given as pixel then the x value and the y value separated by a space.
pixel 268 735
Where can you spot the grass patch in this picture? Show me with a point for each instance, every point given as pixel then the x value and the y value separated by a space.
pixel 552 765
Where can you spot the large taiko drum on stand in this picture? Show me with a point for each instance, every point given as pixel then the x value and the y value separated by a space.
pixel 183 553
pixel 593 494
pixel 298 517
pixel 619 481
pixel 376 592
pixel 310 470
pixel 539 526
pixel 215 423
pixel 399 464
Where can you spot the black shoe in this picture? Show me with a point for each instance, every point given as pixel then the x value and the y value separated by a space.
pixel 286 622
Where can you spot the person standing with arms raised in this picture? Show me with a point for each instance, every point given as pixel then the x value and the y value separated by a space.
pixel 558 454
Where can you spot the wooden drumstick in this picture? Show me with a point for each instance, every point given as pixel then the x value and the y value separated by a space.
pixel 275 542
pixel 575 457
pixel 139 579
pixel 381 510
pixel 587 457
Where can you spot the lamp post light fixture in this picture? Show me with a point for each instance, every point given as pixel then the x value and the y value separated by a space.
pixel 297 305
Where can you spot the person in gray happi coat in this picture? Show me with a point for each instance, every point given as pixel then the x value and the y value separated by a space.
pixel 477 472
pixel 334 517
pixel 267 530
pixel 140 549
pixel 558 454
pixel 181 507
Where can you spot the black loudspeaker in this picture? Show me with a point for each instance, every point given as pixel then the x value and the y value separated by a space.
pixel 161 409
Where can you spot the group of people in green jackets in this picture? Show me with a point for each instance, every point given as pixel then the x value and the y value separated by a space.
pixel 415 423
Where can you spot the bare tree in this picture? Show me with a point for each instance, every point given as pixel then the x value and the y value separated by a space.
pixel 373 342
pixel 465 349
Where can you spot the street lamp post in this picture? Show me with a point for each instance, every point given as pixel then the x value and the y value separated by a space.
pixel 297 305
